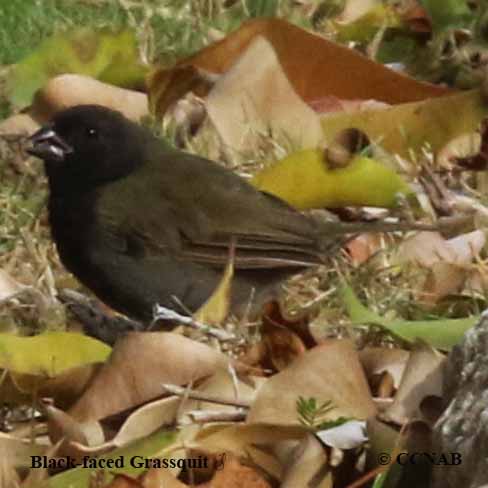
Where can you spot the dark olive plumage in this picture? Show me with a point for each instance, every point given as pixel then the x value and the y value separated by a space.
pixel 141 223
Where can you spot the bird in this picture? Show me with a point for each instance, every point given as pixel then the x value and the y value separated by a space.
pixel 141 223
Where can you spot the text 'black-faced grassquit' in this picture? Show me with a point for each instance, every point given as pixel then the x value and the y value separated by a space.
pixel 141 223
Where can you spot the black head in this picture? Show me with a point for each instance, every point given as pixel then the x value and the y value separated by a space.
pixel 88 145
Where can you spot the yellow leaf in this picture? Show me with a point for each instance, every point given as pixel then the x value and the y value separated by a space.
pixel 409 126
pixel 305 181
pixel 49 354
pixel 216 308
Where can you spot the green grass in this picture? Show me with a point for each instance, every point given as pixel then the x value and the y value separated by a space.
pixel 24 23
pixel 167 30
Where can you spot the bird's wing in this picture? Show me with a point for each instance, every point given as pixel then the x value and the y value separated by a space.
pixel 177 212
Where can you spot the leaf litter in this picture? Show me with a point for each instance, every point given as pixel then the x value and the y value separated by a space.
pixel 260 379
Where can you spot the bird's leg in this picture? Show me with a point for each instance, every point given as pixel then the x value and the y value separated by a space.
pixel 96 323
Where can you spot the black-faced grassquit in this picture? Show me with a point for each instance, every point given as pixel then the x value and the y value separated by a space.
pixel 141 223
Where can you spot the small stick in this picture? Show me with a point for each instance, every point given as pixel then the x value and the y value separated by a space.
pixel 163 313
pixel 444 223
pixel 202 417
pixel 204 397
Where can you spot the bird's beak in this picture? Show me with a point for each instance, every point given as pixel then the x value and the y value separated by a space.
pixel 47 145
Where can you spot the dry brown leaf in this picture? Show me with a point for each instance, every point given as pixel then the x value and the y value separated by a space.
pixel 306 462
pixel 70 433
pixel 331 70
pixel 222 385
pixel 146 420
pixel 377 360
pixel 20 450
pixel 124 481
pixel 328 372
pixel 361 248
pixel 382 437
pixel 473 151
pixel 160 478
pixel 255 99
pixel 443 279
pixel 251 442
pixel 236 475
pixel 426 248
pixel 62 426
pixel 478 280
pixel 66 388
pixel 447 261
pixel 69 90
pixel 18 124
pixel 283 345
pixel 140 363
pixel 467 246
pixel 9 287
pixel 422 378
pixel 142 423
pixel 152 416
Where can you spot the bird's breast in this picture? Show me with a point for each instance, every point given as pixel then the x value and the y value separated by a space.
pixel 73 222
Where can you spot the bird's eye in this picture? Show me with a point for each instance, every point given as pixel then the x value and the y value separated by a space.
pixel 92 133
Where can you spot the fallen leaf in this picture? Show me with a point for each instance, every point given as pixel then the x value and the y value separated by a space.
pixel 446 260
pixel 332 70
pixel 305 180
pixel 216 309
pixel 221 385
pixel 363 247
pixel 428 248
pixel 422 378
pixel 404 129
pixel 283 346
pixel 171 358
pixel 18 124
pixel 69 90
pixel 251 441
pixel 20 451
pixel 123 481
pixel 8 286
pixel 463 150
pixel 236 475
pixel 252 100
pixel 109 57
pixel 443 279
pixel 49 354
pixel 328 372
pixel 425 248
pixel 149 447
pixel 306 463
pixel 377 360
pixel 146 420
pixel 441 333
pixel 160 478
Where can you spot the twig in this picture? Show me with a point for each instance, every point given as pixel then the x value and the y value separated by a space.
pixel 202 417
pixel 205 397
pixel 163 313
pixel 444 223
